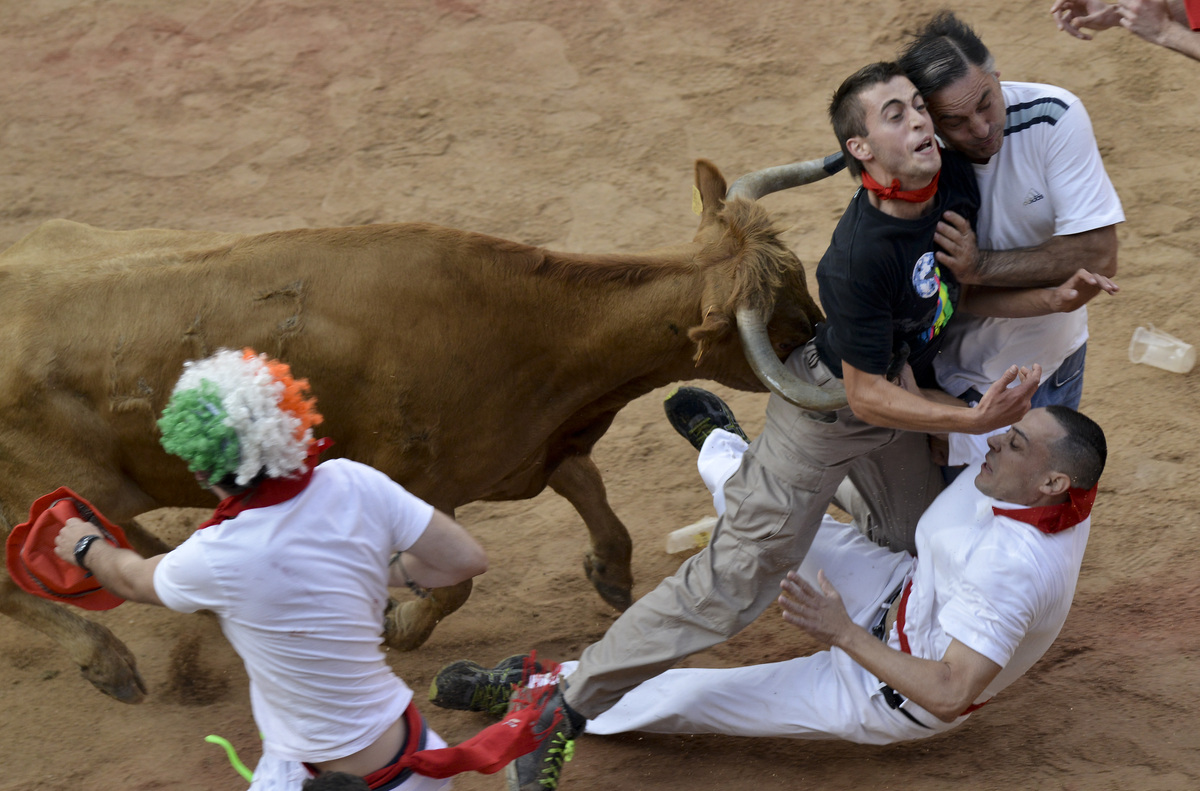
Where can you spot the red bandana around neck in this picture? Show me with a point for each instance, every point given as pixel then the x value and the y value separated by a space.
pixel 1055 518
pixel 895 193
pixel 272 491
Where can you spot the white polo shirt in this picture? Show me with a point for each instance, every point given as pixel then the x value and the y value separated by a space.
pixel 1047 180
pixel 1000 586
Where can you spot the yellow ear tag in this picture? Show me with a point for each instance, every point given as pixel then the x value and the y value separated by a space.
pixel 697 202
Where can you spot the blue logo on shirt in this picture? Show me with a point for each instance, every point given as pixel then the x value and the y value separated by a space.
pixel 925 276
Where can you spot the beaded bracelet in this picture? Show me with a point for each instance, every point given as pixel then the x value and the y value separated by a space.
pixel 409 582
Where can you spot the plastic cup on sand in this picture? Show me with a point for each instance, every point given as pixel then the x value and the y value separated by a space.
pixel 1157 348
pixel 694 536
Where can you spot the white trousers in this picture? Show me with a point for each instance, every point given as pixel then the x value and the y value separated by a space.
pixel 824 696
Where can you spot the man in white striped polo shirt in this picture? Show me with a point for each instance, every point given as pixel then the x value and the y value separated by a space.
pixel 1047 209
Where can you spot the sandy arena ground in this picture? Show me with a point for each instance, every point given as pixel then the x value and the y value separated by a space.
pixel 574 125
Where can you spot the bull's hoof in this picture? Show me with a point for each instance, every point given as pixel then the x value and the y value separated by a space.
pixel 618 596
pixel 111 667
pixel 407 626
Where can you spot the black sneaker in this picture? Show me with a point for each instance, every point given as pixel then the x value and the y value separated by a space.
pixel 468 686
pixel 695 413
pixel 540 770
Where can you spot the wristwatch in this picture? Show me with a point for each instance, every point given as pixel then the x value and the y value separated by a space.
pixel 81 549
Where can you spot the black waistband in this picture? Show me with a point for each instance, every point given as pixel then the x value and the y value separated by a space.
pixel 416 725
pixel 890 696
pixel 422 734
pixel 879 629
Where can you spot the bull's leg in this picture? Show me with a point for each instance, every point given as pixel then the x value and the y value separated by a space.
pixel 102 658
pixel 407 626
pixel 607 560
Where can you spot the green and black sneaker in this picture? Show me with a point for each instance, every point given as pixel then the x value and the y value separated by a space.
pixel 468 686
pixel 695 413
pixel 557 726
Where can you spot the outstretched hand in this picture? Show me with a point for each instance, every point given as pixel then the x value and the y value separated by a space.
pixel 1147 19
pixel 1072 16
pixel 960 248
pixel 1002 405
pixel 1078 289
pixel 821 613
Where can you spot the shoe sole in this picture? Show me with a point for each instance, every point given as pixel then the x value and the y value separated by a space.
pixel 433 687
pixel 728 421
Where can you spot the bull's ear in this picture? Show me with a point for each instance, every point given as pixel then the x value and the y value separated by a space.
pixel 710 187
pixel 715 327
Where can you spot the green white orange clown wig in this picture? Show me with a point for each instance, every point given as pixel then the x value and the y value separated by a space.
pixel 239 414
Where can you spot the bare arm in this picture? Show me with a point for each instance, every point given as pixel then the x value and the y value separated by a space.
pixel 1016 303
pixel 879 402
pixel 1048 264
pixel 944 688
pixel 1178 12
pixel 445 554
pixel 122 572
pixel 1162 23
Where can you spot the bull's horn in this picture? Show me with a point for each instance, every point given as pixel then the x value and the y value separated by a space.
pixel 772 373
pixel 781 177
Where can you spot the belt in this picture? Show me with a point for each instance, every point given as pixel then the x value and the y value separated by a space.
pixel 879 629
pixel 890 696
pixel 894 700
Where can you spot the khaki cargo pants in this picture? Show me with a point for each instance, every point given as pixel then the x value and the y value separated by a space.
pixel 774 505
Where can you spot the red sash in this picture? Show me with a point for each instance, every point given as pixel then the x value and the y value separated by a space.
pixel 900 616
pixel 486 752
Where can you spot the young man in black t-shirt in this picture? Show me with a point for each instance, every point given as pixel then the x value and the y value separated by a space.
pixel 885 295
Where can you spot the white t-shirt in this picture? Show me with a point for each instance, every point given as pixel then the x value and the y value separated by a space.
pixel 300 589
pixel 1047 180
pixel 997 585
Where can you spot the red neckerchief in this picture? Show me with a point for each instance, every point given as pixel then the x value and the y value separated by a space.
pixel 894 191
pixel 1047 518
pixel 1055 518
pixel 272 491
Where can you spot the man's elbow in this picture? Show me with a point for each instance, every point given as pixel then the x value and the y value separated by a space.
pixel 958 691
pixel 951 706
pixel 950 712
pixel 474 564
pixel 863 407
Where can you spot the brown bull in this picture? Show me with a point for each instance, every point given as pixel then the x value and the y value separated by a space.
pixel 416 340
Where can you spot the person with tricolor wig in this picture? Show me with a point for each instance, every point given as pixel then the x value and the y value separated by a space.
pixel 296 563
pixel 920 642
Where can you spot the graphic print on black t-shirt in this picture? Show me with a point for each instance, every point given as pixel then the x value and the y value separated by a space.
pixel 880 285
pixel 927 282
